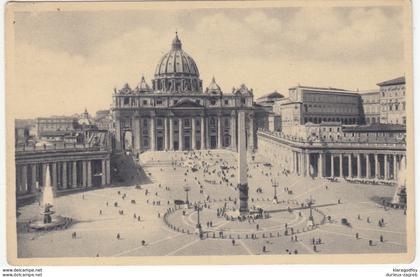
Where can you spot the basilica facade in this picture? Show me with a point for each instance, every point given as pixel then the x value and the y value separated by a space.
pixel 176 113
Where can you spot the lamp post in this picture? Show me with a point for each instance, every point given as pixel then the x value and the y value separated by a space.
pixel 198 208
pixel 310 202
pixel 275 193
pixel 186 189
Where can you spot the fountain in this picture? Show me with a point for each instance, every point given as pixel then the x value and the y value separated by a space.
pixel 49 219
pixel 400 196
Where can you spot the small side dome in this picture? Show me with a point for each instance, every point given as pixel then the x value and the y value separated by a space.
pixel 213 87
pixel 143 87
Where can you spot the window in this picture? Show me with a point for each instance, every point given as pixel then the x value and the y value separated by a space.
pixel 187 123
pixel 159 122
pixel 226 102
pixel 243 100
pixel 159 102
pixel 126 100
pixel 212 102
pixel 197 101
pixel 212 122
pixel 175 102
pixel 145 122
pixel 144 102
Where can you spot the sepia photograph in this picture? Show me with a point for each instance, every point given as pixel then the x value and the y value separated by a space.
pixel 227 132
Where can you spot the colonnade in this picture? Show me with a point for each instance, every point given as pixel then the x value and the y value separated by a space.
pixel 69 174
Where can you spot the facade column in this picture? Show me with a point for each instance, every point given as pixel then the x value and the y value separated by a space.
pixel 193 133
pixel 233 131
pixel 152 133
pixel 395 170
pixel 350 168
pixel 118 140
pixel 308 164
pixel 321 165
pixel 89 173
pixel 181 134
pixel 377 166
pixel 24 179
pixel 332 166
pixel 368 171
pixel 341 165
pixel 84 173
pixel 202 133
pixel 302 164
pixel 171 133
pixel 104 173
pixel 386 167
pixel 108 172
pixel 136 133
pixel 359 166
pixel 219 132
pixel 33 181
pixel 166 132
pixel 54 175
pixel 74 174
pixel 64 179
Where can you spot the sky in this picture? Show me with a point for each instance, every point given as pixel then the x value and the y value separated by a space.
pixel 66 61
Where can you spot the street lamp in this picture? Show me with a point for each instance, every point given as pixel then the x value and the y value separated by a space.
pixel 198 226
pixel 275 193
pixel 310 202
pixel 187 189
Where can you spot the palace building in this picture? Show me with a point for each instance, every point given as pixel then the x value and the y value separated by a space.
pixel 177 113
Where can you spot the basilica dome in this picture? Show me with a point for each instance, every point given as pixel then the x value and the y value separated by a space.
pixel 177 72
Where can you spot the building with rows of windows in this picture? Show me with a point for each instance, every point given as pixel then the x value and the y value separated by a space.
pixel 176 113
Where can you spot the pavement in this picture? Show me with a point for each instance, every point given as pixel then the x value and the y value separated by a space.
pixel 170 172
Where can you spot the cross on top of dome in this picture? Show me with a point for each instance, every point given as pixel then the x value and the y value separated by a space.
pixel 176 42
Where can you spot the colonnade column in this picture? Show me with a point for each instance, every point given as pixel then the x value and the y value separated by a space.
pixel 193 131
pixel 202 134
pixel 64 179
pixel 386 169
pixel 332 166
pixel 350 168
pixel 108 171
pixel 33 183
pixel 152 132
pixel 89 173
pixel 84 172
pixel 54 175
pixel 103 176
pixel 166 136
pixel 24 179
pixel 219 131
pixel 341 165
pixel 171 133
pixel 181 134
pixel 376 166
pixel 74 174
pixel 359 166
pixel 368 171
pixel 233 130
pixel 308 164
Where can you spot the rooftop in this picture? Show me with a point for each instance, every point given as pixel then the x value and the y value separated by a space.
pixel 396 81
pixel 375 128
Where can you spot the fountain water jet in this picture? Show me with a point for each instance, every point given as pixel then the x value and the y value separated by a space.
pixel 49 220
pixel 400 196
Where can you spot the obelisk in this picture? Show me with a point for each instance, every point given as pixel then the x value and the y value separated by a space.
pixel 242 165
